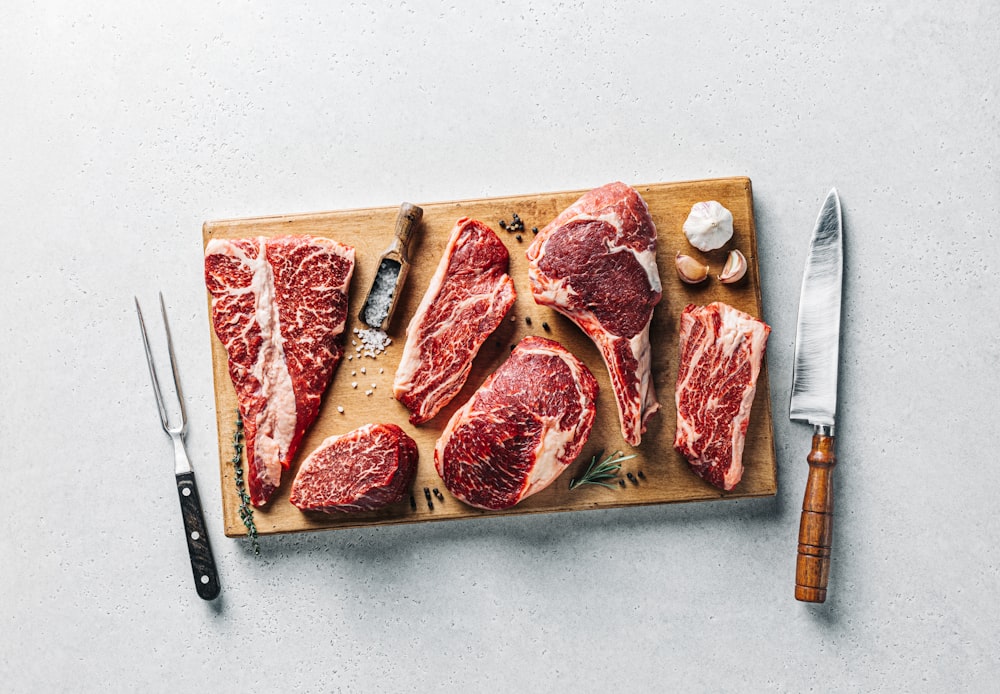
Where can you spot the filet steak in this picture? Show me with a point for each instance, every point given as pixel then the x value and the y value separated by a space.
pixel 721 351
pixel 279 307
pixel 467 299
pixel 364 470
pixel 596 264
pixel 521 429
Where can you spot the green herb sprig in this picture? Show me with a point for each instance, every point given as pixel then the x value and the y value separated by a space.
pixel 246 508
pixel 597 473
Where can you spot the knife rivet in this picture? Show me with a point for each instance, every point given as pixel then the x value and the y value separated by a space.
pixel 186 491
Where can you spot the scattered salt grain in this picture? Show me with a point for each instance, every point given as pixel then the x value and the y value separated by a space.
pixel 368 392
pixel 354 373
pixel 364 370
pixel 354 384
pixel 340 409
pixel 374 385
pixel 381 370
pixel 350 356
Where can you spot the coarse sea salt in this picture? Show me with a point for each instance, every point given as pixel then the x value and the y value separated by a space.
pixel 380 297
pixel 373 342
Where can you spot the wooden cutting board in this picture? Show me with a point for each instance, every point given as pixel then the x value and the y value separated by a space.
pixel 665 476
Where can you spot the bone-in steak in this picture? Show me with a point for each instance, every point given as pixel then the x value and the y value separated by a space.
pixel 279 307
pixel 596 264
pixel 721 351
pixel 467 299
pixel 363 470
pixel 521 429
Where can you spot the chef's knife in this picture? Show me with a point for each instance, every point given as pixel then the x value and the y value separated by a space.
pixel 814 394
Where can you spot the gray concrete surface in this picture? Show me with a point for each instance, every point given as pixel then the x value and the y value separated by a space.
pixel 123 129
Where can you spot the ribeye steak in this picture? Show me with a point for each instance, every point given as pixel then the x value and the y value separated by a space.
pixel 467 299
pixel 279 307
pixel 364 470
pixel 721 351
pixel 596 264
pixel 521 429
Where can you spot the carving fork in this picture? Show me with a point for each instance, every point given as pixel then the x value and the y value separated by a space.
pixel 206 578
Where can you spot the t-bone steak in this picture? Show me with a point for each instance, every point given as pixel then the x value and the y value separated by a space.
pixel 467 299
pixel 521 429
pixel 721 351
pixel 596 264
pixel 364 470
pixel 279 307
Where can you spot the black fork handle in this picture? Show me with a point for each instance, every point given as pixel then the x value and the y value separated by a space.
pixel 206 577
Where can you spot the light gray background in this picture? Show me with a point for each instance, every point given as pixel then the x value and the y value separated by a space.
pixel 123 129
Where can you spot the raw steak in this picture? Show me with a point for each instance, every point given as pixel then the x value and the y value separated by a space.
pixel 721 352
pixel 278 306
pixel 596 264
pixel 467 299
pixel 521 429
pixel 363 470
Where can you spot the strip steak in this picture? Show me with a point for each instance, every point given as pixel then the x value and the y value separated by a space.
pixel 521 429
pixel 467 299
pixel 596 264
pixel 721 351
pixel 279 307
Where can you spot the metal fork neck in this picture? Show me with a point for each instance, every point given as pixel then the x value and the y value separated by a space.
pixel 182 463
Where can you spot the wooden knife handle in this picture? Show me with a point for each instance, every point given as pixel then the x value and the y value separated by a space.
pixel 812 568
pixel 206 577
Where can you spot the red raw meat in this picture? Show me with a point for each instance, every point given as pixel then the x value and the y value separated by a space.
pixel 279 307
pixel 521 429
pixel 467 299
pixel 721 352
pixel 364 470
pixel 596 264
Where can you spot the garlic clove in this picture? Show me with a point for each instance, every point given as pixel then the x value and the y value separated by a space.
pixel 690 270
pixel 734 269
pixel 709 225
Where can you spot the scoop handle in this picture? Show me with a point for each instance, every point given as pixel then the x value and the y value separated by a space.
pixel 406 221
pixel 812 568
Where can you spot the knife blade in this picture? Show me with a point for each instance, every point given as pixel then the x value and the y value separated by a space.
pixel 814 394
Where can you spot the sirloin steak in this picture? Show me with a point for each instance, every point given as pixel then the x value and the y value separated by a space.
pixel 279 307
pixel 363 470
pixel 467 299
pixel 596 264
pixel 521 429
pixel 721 351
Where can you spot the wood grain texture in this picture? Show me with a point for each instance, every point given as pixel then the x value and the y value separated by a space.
pixel 666 475
pixel 812 566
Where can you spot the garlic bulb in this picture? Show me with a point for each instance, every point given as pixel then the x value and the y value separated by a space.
pixel 708 226
pixel 734 269
pixel 690 270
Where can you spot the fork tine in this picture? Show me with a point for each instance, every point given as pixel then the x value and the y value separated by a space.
pixel 152 368
pixel 173 364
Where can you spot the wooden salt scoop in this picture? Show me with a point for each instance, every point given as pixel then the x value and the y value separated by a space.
pixel 393 265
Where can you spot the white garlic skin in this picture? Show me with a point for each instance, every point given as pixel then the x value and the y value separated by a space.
pixel 734 269
pixel 708 226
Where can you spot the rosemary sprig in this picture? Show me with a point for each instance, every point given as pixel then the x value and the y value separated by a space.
pixel 246 508
pixel 597 473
